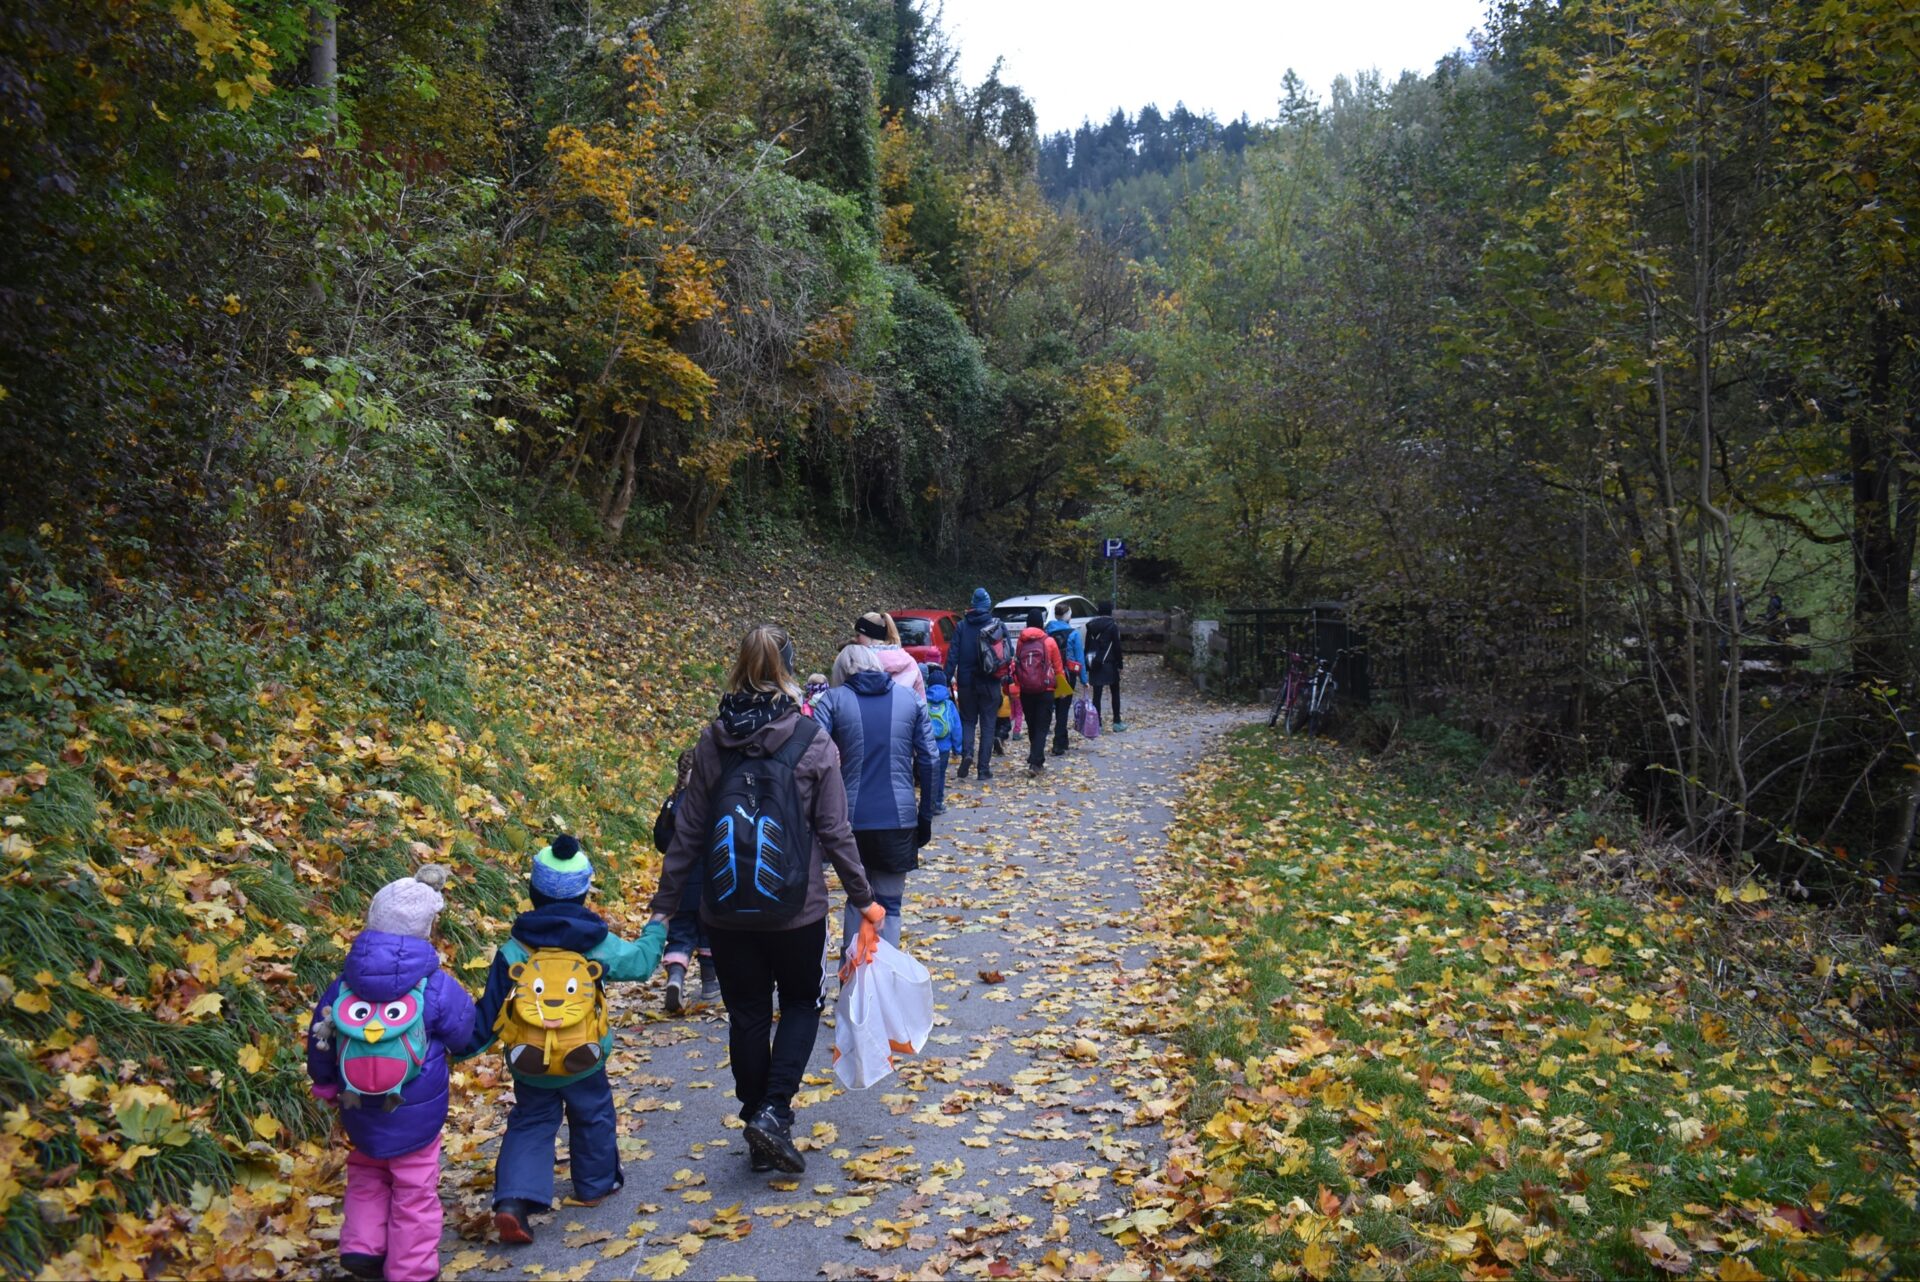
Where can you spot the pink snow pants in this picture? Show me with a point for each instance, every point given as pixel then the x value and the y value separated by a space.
pixel 393 1209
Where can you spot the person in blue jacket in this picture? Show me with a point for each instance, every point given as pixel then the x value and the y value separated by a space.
pixel 944 715
pixel 1073 654
pixel 886 747
pixel 523 1171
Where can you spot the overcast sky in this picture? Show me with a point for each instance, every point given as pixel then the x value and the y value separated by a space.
pixel 1083 58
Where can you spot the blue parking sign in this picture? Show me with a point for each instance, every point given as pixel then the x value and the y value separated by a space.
pixel 1112 549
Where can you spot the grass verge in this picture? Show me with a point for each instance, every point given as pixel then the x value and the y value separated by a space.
pixel 1421 1045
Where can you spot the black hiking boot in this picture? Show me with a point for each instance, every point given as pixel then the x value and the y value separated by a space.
pixel 676 987
pixel 770 1136
pixel 362 1265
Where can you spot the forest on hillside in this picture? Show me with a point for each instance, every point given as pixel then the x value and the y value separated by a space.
pixel 1600 331
pixel 1582 369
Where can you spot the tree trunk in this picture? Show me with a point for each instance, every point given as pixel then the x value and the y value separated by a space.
pixel 624 479
pixel 323 59
pixel 1883 528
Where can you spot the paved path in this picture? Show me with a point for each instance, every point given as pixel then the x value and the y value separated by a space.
pixel 996 1151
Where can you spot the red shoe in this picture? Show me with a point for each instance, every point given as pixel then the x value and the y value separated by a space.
pixel 512 1219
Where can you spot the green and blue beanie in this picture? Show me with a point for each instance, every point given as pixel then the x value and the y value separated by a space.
pixel 562 870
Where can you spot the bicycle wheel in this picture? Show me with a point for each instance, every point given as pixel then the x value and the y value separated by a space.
pixel 1279 708
pixel 1296 715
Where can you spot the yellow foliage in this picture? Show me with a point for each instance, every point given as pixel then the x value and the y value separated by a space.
pixel 229 49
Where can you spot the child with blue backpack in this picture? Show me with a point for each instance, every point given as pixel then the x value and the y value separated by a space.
pixel 944 713
pixel 377 1051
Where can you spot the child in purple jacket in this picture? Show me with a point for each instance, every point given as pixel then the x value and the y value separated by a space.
pixel 393 1097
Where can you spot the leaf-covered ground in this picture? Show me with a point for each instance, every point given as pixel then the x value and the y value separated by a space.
pixel 1427 1042
pixel 199 791
pixel 1009 1148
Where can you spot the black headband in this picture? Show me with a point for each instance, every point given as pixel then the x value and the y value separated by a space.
pixel 868 628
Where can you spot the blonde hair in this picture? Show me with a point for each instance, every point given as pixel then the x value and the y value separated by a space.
pixel 759 665
pixel 893 629
pixel 855 658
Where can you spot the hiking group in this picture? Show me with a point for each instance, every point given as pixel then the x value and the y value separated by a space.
pixel 849 770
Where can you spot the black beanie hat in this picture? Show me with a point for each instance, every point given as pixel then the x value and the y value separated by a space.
pixel 1036 618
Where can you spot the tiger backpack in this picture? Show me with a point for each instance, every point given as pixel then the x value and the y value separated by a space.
pixel 382 1045
pixel 554 1022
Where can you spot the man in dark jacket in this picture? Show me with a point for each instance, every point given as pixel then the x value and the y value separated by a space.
pixel 977 693
pixel 1104 657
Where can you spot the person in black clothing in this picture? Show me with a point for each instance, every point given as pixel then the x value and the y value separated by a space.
pixel 1104 659
pixel 686 936
pixel 977 693
pixel 759 717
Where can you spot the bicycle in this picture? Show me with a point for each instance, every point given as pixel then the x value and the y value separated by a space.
pixel 1291 701
pixel 1320 692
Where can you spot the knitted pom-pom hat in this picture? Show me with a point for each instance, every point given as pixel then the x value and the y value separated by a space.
pixel 562 870
pixel 410 905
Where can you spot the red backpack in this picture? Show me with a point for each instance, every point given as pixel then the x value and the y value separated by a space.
pixel 1030 666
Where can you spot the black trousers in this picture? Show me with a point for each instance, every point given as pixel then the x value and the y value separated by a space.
pixel 1062 719
pixel 1108 681
pixel 979 705
pixel 752 965
pixel 1038 710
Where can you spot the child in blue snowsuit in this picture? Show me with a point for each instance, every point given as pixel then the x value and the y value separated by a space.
pixel 945 715
pixel 523 1172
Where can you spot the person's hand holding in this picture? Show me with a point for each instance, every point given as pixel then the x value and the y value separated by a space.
pixel 866 942
pixel 660 919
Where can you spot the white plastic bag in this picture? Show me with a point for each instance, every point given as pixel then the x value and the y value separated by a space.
pixel 885 1009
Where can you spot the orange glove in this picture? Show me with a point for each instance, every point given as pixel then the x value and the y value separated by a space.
pixel 866 943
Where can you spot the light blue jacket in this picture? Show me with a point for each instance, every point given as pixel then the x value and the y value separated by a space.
pixel 937 696
pixel 870 709
pixel 1073 648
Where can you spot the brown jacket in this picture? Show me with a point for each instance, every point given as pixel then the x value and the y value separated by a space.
pixel 823 796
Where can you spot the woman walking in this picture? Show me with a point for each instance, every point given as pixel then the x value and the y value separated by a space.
pixel 886 747
pixel 880 634
pixel 761 772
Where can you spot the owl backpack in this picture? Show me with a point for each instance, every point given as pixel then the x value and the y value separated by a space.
pixel 554 1022
pixel 381 1045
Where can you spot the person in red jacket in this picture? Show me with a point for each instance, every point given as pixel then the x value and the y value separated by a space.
pixel 1036 669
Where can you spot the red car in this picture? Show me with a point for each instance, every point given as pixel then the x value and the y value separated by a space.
pixel 926 634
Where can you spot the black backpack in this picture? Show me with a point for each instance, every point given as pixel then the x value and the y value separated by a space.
pixel 1103 643
pixel 759 860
